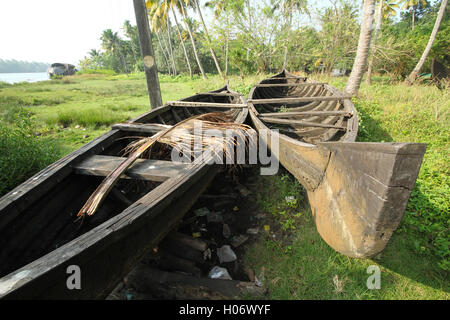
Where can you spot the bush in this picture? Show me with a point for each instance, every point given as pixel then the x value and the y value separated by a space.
pixel 22 153
pixel 107 72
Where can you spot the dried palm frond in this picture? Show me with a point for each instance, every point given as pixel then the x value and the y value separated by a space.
pixel 179 136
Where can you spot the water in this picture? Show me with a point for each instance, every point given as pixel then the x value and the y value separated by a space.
pixel 20 77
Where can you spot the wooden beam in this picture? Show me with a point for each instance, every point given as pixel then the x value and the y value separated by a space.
pixel 298 84
pixel 283 78
pixel 204 104
pixel 306 113
pixel 145 40
pixel 301 123
pixel 219 94
pixel 299 99
pixel 140 127
pixel 153 170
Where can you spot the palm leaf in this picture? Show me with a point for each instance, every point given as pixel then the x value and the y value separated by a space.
pixel 171 136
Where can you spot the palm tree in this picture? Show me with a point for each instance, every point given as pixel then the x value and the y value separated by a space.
pixel 111 43
pixel 213 54
pixel 131 33
pixel 191 36
pixel 289 7
pixel 159 11
pixel 413 75
pixel 412 5
pixel 359 65
pixel 182 40
pixel 386 8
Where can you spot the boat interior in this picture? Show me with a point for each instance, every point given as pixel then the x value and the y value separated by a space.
pixel 318 115
pixel 40 216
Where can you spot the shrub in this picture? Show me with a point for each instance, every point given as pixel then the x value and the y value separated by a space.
pixel 22 152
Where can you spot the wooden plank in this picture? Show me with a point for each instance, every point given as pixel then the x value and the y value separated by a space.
pixel 306 113
pixel 153 170
pixel 204 104
pixel 299 99
pixel 299 84
pixel 219 94
pixel 140 127
pixel 301 123
pixel 288 77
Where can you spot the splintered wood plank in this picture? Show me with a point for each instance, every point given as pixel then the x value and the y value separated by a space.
pixel 299 99
pixel 299 84
pixel 153 170
pixel 301 123
pixel 194 104
pixel 307 113
pixel 141 127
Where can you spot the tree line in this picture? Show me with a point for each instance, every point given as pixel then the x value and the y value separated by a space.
pixel 15 66
pixel 256 36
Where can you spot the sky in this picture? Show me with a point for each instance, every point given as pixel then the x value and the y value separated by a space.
pixel 65 31
pixel 58 30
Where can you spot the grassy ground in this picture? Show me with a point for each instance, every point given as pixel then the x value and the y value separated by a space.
pixel 65 114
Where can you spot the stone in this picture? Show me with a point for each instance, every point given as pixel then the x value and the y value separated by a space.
pixel 226 254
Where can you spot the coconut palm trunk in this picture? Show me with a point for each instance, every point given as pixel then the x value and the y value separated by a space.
pixel 169 71
pixel 182 42
pixel 413 75
pixel 213 54
pixel 122 59
pixel 191 36
pixel 359 65
pixel 169 38
pixel 374 41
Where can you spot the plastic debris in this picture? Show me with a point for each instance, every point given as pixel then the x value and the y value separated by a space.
pixel 226 254
pixel 196 235
pixel 201 212
pixel 219 273
pixel 236 241
pixel 236 208
pixel 226 231
pixel 207 254
pixel 252 231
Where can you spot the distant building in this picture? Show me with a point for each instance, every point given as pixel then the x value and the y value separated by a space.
pixel 61 69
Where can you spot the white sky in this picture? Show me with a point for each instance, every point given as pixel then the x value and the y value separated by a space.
pixel 58 31
pixel 64 31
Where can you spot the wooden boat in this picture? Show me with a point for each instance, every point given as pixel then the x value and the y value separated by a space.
pixel 357 191
pixel 40 239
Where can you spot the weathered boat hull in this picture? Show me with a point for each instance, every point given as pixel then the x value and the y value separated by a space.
pixel 35 216
pixel 357 191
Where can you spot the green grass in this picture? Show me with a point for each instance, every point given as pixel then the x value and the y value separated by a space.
pixel 298 264
pixel 67 113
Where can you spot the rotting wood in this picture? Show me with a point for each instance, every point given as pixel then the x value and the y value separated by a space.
pixel 357 191
pixel 299 99
pixel 219 94
pixel 196 244
pixel 300 123
pixel 182 250
pixel 204 104
pixel 296 84
pixel 141 127
pixel 153 170
pixel 146 279
pixel 307 113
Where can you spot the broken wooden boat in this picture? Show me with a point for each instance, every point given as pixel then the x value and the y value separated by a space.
pixel 358 191
pixel 40 237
